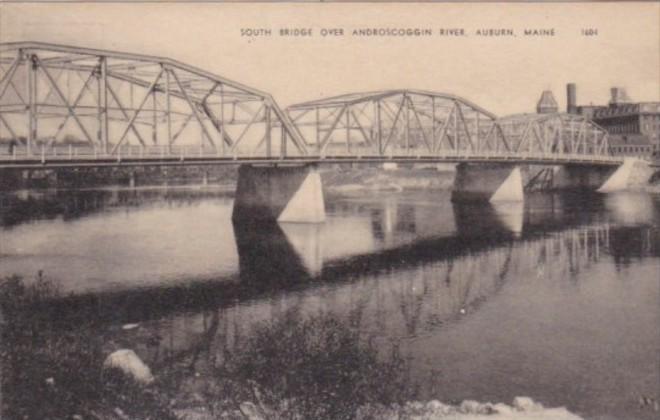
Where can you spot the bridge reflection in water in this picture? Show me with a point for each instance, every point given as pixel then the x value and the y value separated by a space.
pixel 406 268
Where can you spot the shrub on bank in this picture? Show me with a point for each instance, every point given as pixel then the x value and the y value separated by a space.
pixel 316 367
pixel 56 373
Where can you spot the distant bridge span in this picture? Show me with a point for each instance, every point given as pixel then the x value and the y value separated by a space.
pixel 64 106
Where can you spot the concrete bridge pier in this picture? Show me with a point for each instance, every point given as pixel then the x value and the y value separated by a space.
pixel 632 172
pixel 279 193
pixel 603 179
pixel 494 182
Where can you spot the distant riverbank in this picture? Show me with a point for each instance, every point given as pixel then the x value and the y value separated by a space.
pixel 340 179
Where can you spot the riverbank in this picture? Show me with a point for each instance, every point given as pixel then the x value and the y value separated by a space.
pixel 55 365
pixel 342 179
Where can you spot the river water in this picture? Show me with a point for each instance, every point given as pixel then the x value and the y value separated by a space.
pixel 557 298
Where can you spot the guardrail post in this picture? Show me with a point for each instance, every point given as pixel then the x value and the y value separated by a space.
pixel 43 154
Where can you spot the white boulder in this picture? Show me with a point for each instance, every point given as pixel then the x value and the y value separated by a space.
pixel 126 361
pixel 526 404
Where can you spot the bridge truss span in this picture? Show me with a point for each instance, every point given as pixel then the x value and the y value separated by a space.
pixel 71 106
pixel 395 122
pixel 553 134
pixel 401 124
pixel 105 103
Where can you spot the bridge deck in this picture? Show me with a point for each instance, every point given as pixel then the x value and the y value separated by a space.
pixel 61 157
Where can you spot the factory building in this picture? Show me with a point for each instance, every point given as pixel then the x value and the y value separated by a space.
pixel 633 127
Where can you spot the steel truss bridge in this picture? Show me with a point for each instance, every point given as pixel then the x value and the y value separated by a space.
pixel 68 106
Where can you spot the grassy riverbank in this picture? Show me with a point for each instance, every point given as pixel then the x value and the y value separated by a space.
pixel 315 367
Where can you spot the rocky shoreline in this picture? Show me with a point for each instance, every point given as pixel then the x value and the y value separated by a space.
pixel 522 408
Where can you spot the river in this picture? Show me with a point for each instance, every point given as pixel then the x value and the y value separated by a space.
pixel 557 298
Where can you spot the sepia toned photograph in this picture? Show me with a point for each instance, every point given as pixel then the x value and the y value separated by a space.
pixel 309 210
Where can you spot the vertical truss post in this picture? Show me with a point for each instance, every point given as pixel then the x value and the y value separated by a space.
pixel 348 130
pixel 434 147
pixel 168 105
pixel 406 133
pixel 103 104
pixel 31 76
pixel 379 127
pixel 267 134
pixel 154 127
pixel 283 143
pixel 477 139
pixel 221 123
pixel 318 125
pixel 457 138
pixel 573 148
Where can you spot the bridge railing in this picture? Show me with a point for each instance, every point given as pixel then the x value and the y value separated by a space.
pixel 77 152
pixel 62 153
pixel 358 153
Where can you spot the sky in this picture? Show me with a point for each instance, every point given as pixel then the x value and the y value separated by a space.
pixel 502 74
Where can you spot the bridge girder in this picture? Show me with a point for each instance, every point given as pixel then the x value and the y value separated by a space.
pixel 54 94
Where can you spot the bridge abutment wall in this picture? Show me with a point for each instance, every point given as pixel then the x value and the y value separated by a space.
pixel 494 182
pixel 279 193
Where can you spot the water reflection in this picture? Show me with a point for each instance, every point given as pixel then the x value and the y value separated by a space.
pixel 632 208
pixel 452 285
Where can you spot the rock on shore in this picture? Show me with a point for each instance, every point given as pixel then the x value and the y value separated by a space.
pixel 126 361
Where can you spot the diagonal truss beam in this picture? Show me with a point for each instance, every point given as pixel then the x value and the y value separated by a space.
pixel 394 123
pixel 328 134
pixel 11 83
pixel 66 103
pixel 419 123
pixel 73 106
pixel 361 128
pixel 11 130
pixel 6 79
pixel 443 132
pixel 115 97
pixel 247 127
pixel 192 105
pixel 136 112
pixel 457 105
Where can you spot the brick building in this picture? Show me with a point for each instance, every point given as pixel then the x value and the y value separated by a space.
pixel 633 127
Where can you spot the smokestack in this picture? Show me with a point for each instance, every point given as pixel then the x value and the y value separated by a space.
pixel 571 98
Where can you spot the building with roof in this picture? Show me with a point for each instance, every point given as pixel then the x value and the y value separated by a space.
pixel 547 103
pixel 634 127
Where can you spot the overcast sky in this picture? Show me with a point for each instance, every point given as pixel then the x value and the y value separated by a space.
pixel 504 75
